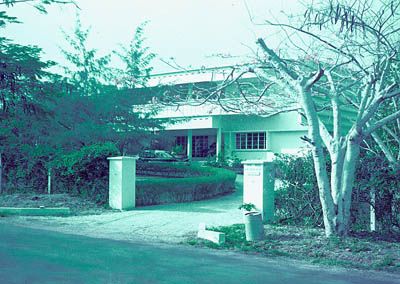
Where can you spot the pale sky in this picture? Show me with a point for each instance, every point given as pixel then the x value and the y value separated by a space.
pixel 190 31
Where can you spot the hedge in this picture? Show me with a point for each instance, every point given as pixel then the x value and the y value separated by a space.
pixel 169 170
pixel 199 183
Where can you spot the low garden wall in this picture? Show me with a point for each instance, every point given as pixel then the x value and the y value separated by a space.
pixel 182 183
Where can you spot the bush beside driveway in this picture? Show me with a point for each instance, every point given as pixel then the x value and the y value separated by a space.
pixel 181 183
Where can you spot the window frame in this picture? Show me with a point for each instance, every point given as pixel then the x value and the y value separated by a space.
pixel 245 140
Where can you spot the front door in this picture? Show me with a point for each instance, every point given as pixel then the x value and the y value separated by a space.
pixel 200 146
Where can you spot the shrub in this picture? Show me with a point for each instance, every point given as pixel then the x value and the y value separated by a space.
pixel 167 170
pixel 200 183
pixel 85 172
pixel 231 163
pixel 22 173
pixel 296 199
pixel 375 173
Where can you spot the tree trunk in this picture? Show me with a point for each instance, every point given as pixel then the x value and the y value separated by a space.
pixel 372 216
pixel 349 169
pixel 319 163
pixel 325 196
pixel 337 157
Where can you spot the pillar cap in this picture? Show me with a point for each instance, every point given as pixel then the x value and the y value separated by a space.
pixel 123 158
pixel 269 157
pixel 256 162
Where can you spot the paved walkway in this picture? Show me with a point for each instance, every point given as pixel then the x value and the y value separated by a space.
pixel 161 223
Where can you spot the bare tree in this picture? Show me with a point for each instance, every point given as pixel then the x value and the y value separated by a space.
pixel 356 47
pixel 338 66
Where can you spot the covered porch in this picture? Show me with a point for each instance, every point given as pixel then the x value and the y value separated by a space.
pixel 198 144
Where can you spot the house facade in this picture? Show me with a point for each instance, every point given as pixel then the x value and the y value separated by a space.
pixel 203 128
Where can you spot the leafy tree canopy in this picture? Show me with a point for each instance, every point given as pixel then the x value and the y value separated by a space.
pixel 136 58
pixel 38 4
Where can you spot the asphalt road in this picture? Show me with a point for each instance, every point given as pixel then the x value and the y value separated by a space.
pixel 38 256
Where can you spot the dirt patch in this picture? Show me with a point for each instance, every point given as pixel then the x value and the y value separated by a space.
pixel 78 205
pixel 368 251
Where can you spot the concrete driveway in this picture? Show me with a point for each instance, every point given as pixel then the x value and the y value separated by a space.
pixel 162 223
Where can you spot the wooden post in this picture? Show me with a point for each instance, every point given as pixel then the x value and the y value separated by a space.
pixel 372 216
pixel 49 181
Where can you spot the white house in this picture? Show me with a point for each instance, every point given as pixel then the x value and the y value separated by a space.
pixel 202 126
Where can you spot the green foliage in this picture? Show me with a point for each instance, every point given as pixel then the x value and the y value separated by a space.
pixel 231 163
pixel 101 113
pixel 40 5
pixel 177 150
pixel 88 70
pixel 247 207
pixel 387 261
pixel 70 125
pixel 85 171
pixel 205 183
pixel 93 151
pixel 296 199
pixel 308 244
pixel 136 58
pixel 376 174
pixel 25 115
pixel 102 118
pixel 4 19
pixel 169 170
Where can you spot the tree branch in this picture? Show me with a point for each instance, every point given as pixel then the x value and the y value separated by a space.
pixel 277 61
pixel 348 55
pixel 335 107
pixel 386 151
pixel 325 135
pixel 314 79
pixel 12 2
pixel 382 122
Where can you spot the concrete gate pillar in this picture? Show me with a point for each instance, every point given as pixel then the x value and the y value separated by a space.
pixel 258 186
pixel 122 182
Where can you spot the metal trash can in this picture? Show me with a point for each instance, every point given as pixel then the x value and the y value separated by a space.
pixel 254 226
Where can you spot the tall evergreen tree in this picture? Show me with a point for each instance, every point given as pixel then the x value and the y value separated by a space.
pixel 44 118
pixel 102 113
pixel 24 105
pixel 137 59
pixel 87 70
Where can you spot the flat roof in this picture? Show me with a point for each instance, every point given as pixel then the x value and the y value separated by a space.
pixel 209 74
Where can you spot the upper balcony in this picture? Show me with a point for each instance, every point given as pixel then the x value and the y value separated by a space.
pixel 213 91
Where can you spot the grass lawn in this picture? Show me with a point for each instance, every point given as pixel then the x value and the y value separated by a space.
pixel 362 250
